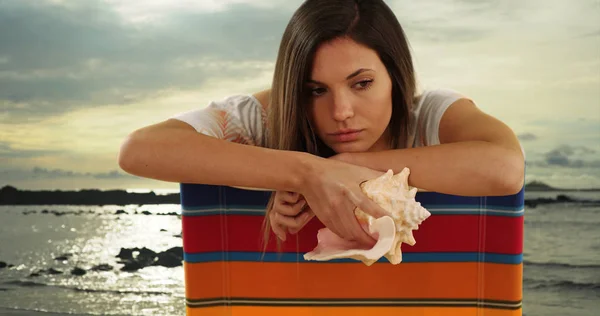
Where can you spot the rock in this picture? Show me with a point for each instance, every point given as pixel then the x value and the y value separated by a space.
pixel 178 251
pixel 125 253
pixel 78 271
pixel 564 198
pixel 136 258
pixel 45 212
pixel 38 273
pixel 144 256
pixel 102 267
pixel 163 230
pixel 146 213
pixel 64 257
pixel 120 212
pixel 168 259
pixel 54 271
pixel 3 264
pixel 131 266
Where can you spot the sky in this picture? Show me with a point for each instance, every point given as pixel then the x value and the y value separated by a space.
pixel 76 77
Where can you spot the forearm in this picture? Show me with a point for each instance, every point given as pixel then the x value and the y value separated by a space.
pixel 185 156
pixel 473 168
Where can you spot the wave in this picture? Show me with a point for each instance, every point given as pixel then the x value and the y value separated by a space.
pixel 85 290
pixel 561 265
pixel 560 285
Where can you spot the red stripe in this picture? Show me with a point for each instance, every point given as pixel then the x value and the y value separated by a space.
pixel 439 233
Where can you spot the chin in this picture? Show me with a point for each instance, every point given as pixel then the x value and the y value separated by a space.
pixel 350 147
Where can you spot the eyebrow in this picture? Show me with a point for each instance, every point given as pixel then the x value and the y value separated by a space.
pixel 350 76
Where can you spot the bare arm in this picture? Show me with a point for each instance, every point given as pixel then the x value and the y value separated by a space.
pixel 478 155
pixel 174 151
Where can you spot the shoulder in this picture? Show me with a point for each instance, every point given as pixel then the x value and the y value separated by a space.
pixel 427 112
pixel 437 98
pixel 263 98
pixel 239 118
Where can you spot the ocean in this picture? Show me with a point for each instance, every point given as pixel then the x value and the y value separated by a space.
pixel 46 243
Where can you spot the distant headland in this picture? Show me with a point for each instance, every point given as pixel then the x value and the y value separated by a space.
pixel 10 195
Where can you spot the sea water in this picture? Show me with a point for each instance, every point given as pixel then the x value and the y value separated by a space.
pixel 561 259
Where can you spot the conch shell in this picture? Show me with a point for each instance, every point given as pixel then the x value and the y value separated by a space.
pixel 394 195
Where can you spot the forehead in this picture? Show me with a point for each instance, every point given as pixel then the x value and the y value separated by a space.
pixel 338 58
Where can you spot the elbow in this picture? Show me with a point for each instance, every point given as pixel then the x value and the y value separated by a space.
pixel 511 178
pixel 129 153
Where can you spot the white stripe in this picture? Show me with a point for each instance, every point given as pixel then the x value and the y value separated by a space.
pixel 433 209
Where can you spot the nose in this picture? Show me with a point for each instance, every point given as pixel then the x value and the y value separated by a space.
pixel 342 107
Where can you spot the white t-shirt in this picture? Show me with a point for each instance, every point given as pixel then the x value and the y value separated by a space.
pixel 241 118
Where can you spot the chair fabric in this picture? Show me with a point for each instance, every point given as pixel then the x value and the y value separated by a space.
pixel 468 260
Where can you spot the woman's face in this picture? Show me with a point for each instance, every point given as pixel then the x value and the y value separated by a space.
pixel 351 97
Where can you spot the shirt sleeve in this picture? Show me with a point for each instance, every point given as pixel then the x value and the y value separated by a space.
pixel 238 118
pixel 430 109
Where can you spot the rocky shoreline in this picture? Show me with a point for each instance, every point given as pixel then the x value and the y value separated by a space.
pixel 561 198
pixel 132 259
pixel 12 196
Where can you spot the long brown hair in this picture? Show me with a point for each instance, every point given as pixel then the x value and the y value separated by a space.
pixel 368 22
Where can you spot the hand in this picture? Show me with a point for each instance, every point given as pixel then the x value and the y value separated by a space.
pixel 332 190
pixel 289 213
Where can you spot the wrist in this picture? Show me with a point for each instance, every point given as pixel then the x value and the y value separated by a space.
pixel 304 169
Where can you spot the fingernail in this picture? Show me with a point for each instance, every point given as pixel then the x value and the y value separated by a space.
pixel 303 205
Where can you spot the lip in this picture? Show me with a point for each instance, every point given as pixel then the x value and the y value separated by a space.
pixel 346 135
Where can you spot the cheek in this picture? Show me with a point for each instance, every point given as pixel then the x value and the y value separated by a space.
pixel 380 109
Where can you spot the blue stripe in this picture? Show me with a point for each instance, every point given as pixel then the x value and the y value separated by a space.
pixel 410 257
pixel 194 196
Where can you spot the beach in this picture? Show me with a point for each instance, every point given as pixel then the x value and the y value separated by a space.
pixel 561 259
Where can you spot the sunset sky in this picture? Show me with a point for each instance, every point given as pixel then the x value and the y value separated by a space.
pixel 77 76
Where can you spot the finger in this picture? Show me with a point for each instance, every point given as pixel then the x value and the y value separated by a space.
pixel 290 210
pixel 368 206
pixel 292 222
pixel 352 228
pixel 343 223
pixel 305 217
pixel 359 234
pixel 289 197
pixel 277 228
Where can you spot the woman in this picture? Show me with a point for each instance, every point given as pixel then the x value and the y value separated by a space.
pixel 342 109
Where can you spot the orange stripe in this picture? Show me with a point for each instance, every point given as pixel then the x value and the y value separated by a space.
pixel 214 277
pixel 453 280
pixel 349 311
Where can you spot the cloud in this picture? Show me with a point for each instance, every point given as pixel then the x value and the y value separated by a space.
pixel 55 58
pixel 565 156
pixel 45 173
pixel 527 137
pixel 48 179
pixel 8 152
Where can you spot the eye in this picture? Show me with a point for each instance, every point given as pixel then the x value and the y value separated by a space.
pixel 317 91
pixel 364 84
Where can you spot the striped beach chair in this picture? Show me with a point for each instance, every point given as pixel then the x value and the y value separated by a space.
pixel 467 261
